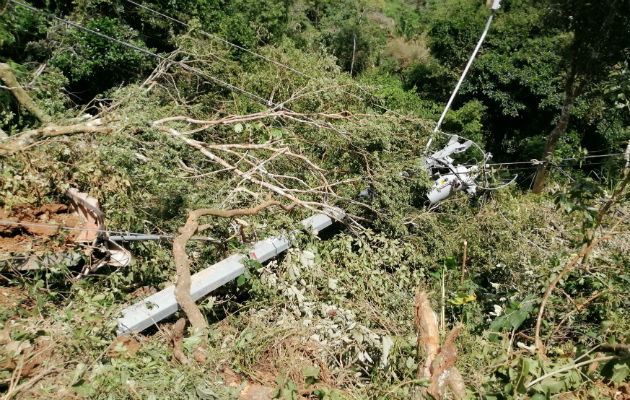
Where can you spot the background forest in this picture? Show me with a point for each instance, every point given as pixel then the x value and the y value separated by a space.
pixel 304 104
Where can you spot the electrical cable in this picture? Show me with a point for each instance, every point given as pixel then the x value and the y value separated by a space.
pixel 188 68
pixel 486 155
pixel 262 57
pixel 270 104
pixel 461 78
pixel 195 71
pixel 537 162
pixel 277 63
pixel 121 235
pixel 220 39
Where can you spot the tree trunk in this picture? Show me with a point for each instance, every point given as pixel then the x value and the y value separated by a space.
pixel 354 49
pixel 550 147
pixel 6 75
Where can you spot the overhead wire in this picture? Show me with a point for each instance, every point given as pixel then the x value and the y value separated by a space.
pixel 220 39
pixel 246 93
pixel 188 68
pixel 201 74
pixel 465 72
pixel 268 103
pixel 258 55
pixel 536 163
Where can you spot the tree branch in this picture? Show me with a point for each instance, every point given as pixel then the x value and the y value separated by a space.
pixel 540 348
pixel 568 368
pixel 182 262
pixel 18 141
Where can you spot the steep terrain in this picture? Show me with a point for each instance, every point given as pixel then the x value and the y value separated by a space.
pixel 207 147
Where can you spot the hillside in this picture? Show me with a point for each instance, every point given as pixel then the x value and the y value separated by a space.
pixel 142 143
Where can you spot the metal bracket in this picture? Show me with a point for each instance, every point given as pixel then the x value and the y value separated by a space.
pixel 455 178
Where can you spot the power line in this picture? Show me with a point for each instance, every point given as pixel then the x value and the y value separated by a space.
pixel 220 39
pixel 249 94
pixel 120 235
pixel 201 74
pixel 461 78
pixel 541 162
pixel 195 71
pixel 262 57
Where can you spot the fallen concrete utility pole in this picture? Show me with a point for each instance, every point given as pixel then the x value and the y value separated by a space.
pixel 160 305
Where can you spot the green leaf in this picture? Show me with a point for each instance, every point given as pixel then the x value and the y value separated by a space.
pixel 190 343
pixel 311 374
pixel 499 323
pixel 238 128
pixel 83 389
pixel 525 366
pixel 517 318
pixel 620 372
pixel 98 298
pixel 310 371
pixel 78 372
pixel 463 299
pixel 276 133
pixel 552 386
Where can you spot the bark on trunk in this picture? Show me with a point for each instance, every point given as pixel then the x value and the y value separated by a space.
pixel 6 75
pixel 550 147
pixel 182 263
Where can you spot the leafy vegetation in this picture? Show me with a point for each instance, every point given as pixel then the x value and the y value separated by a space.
pixel 534 285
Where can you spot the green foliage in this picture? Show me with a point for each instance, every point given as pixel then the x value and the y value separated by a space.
pixel 406 16
pixel 328 394
pixel 431 80
pixel 17 27
pixel 286 390
pixel 93 55
pixel 466 121
pixel 246 22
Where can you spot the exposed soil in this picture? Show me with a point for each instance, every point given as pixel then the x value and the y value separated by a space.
pixel 282 358
pixel 11 297
pixel 123 347
pixel 36 239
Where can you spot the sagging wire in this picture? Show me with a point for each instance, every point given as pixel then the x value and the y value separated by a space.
pixel 201 74
pixel 260 56
pixel 274 62
pixel 169 62
pixel 535 162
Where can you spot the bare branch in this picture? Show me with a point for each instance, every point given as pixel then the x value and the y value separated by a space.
pixel 182 262
pixel 540 348
pixel 18 141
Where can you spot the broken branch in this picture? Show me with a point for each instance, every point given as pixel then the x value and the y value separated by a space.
pixel 18 141
pixel 182 262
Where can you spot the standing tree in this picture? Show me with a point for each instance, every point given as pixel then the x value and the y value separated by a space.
pixel 600 33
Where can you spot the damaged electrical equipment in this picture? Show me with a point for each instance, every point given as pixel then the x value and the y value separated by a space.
pixel 450 178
